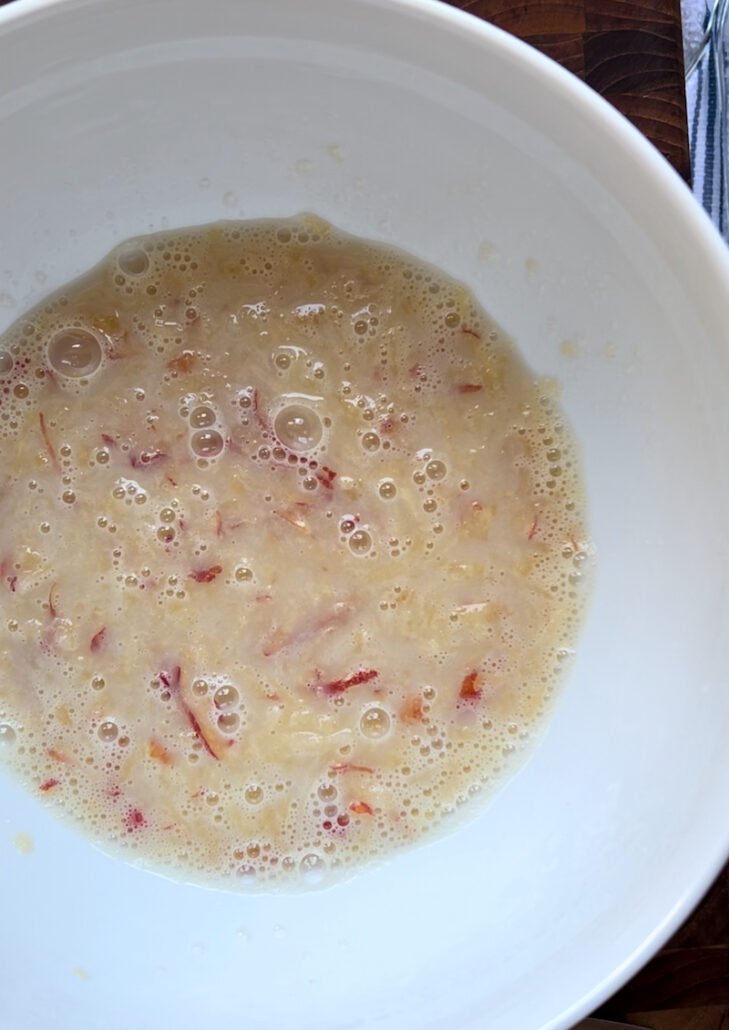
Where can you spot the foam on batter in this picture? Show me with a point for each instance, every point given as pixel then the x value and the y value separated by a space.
pixel 291 545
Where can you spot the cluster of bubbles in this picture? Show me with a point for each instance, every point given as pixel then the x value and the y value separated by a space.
pixel 47 348
pixel 357 537
pixel 228 708
pixel 206 431
pixel 138 266
pixel 328 834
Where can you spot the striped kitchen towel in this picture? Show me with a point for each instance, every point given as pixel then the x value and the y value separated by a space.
pixel 705 50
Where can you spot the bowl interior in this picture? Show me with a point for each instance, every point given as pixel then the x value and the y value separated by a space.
pixel 410 123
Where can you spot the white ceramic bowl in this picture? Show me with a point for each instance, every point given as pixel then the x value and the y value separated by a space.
pixel 409 122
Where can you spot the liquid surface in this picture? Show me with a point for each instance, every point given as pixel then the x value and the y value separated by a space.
pixel 290 550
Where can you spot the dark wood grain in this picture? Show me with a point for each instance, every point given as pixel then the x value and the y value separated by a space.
pixel 630 52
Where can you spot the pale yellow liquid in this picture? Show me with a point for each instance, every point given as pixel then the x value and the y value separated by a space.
pixel 290 542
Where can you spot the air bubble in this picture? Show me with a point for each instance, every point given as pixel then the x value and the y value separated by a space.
pixel 6 362
pixel 74 353
pixel 435 470
pixel 243 574
pixel 200 687
pixel 7 735
pixel 166 534
pixel 207 443
pixel 370 441
pixel 374 722
pixel 360 542
pixel 133 261
pixel 313 869
pixel 228 722
pixel 202 417
pixel 298 427
pixel 254 795
pixel 108 731
pixel 387 489
pixel 226 697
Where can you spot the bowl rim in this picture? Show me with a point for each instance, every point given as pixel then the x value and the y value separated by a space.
pixel 699 238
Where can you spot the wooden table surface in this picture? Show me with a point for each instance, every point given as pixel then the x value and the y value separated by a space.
pixel 630 51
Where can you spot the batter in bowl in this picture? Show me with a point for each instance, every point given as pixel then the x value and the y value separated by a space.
pixel 290 550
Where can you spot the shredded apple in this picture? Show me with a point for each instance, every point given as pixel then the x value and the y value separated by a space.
pixel 290 542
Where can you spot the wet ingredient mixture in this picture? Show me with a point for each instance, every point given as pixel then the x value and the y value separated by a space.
pixel 290 542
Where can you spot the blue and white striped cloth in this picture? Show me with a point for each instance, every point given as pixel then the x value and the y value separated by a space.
pixel 706 92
